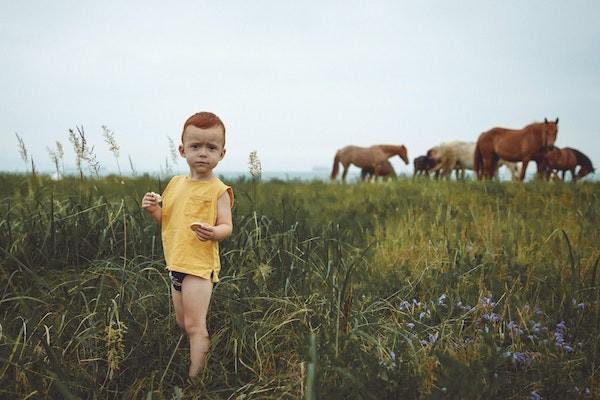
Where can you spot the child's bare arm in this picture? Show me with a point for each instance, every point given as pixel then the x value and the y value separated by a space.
pixel 224 225
pixel 150 205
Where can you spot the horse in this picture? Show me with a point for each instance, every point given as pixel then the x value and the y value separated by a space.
pixel 366 157
pixel 422 165
pixel 567 159
pixel 459 156
pixel 386 171
pixel 512 145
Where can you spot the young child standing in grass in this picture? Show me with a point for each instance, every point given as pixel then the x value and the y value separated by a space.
pixel 195 216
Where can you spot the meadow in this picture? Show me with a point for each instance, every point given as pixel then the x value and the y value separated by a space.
pixel 400 290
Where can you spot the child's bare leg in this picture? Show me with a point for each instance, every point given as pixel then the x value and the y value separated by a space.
pixel 178 306
pixel 196 298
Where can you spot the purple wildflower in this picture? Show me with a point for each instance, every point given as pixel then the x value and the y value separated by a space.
pixel 487 303
pixel 441 299
pixel 522 359
pixel 404 305
pixel 567 348
pixel 410 325
pixel 492 317
pixel 514 327
pixel 534 395
pixel 433 337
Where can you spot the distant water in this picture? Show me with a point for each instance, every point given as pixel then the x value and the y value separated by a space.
pixel 319 174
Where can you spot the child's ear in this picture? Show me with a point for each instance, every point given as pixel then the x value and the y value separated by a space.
pixel 181 151
pixel 223 152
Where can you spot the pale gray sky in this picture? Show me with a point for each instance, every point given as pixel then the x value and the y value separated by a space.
pixel 294 80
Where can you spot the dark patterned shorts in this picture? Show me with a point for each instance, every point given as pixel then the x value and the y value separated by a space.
pixel 177 279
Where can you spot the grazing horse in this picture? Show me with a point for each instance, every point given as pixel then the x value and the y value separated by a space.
pixel 512 145
pixel 386 171
pixel 459 156
pixel 422 165
pixel 366 157
pixel 567 159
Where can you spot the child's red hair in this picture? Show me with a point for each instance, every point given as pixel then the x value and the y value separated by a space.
pixel 204 120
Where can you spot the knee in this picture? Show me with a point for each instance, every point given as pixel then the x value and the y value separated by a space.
pixel 194 327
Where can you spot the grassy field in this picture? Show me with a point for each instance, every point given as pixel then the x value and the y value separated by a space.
pixel 401 290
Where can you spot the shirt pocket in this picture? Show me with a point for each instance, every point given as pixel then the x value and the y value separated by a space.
pixel 198 208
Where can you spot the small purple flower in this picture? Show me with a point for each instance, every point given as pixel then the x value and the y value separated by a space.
pixel 514 327
pixel 561 326
pixel 492 317
pixel 404 305
pixel 522 359
pixel 567 348
pixel 422 315
pixel 580 306
pixel 410 325
pixel 536 327
pixel 433 337
pixel 441 299
pixel 487 303
pixel 534 395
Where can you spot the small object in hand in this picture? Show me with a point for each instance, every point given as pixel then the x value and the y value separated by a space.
pixel 196 225
pixel 157 196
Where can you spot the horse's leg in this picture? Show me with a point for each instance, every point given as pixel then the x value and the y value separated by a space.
pixel 564 172
pixel 524 169
pixel 345 171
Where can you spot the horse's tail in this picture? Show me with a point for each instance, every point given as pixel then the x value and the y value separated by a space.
pixel 478 161
pixel 336 165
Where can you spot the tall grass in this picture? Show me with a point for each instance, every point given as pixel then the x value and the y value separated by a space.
pixel 368 291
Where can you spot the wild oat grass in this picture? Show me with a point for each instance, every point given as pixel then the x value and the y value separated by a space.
pixel 409 289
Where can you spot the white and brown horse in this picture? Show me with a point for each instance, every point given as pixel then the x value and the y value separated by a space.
pixel 460 156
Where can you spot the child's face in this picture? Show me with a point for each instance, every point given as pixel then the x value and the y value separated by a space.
pixel 202 149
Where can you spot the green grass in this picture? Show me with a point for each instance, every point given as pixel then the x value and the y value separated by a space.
pixel 408 289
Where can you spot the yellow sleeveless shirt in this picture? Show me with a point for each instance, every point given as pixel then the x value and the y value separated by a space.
pixel 185 201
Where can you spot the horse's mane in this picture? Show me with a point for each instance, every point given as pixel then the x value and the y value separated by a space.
pixel 533 125
pixel 582 159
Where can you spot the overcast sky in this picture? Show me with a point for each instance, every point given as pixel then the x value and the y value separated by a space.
pixel 294 80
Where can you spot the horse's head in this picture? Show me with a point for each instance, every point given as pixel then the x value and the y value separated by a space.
pixel 403 153
pixel 549 132
pixel 585 170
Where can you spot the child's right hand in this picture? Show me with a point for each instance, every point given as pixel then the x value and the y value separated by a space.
pixel 150 202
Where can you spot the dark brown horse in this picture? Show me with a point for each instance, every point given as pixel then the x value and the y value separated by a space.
pixel 567 159
pixel 386 171
pixel 422 165
pixel 512 145
pixel 366 157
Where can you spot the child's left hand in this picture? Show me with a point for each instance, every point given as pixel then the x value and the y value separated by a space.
pixel 203 231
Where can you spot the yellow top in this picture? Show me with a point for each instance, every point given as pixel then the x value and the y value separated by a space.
pixel 185 201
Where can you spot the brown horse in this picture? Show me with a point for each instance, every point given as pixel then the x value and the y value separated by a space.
pixel 567 159
pixel 386 171
pixel 422 166
pixel 366 157
pixel 512 145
